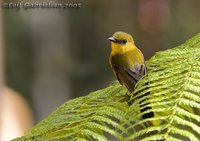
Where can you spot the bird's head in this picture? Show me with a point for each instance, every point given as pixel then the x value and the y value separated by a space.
pixel 121 42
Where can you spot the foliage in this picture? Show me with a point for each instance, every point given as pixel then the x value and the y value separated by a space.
pixel 174 84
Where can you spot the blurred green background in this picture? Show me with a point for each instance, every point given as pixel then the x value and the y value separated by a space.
pixel 53 55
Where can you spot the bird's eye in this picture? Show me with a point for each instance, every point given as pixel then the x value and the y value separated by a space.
pixel 124 41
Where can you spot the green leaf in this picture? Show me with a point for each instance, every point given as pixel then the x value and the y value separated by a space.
pixel 173 80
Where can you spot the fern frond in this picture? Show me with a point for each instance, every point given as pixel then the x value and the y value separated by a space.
pixel 174 85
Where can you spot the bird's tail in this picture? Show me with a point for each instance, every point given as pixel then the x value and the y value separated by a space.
pixel 144 107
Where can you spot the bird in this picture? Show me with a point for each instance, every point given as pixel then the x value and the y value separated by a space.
pixel 128 63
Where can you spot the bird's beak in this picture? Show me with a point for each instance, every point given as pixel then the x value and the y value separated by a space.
pixel 112 39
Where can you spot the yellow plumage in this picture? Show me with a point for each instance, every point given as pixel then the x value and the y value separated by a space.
pixel 127 61
pixel 126 57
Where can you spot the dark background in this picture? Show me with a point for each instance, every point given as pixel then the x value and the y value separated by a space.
pixel 53 55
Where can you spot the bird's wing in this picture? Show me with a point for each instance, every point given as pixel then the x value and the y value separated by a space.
pixel 137 71
pixel 130 76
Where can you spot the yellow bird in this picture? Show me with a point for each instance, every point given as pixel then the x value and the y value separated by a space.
pixel 127 62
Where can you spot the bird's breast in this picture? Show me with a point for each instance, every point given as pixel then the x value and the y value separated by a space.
pixel 122 61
